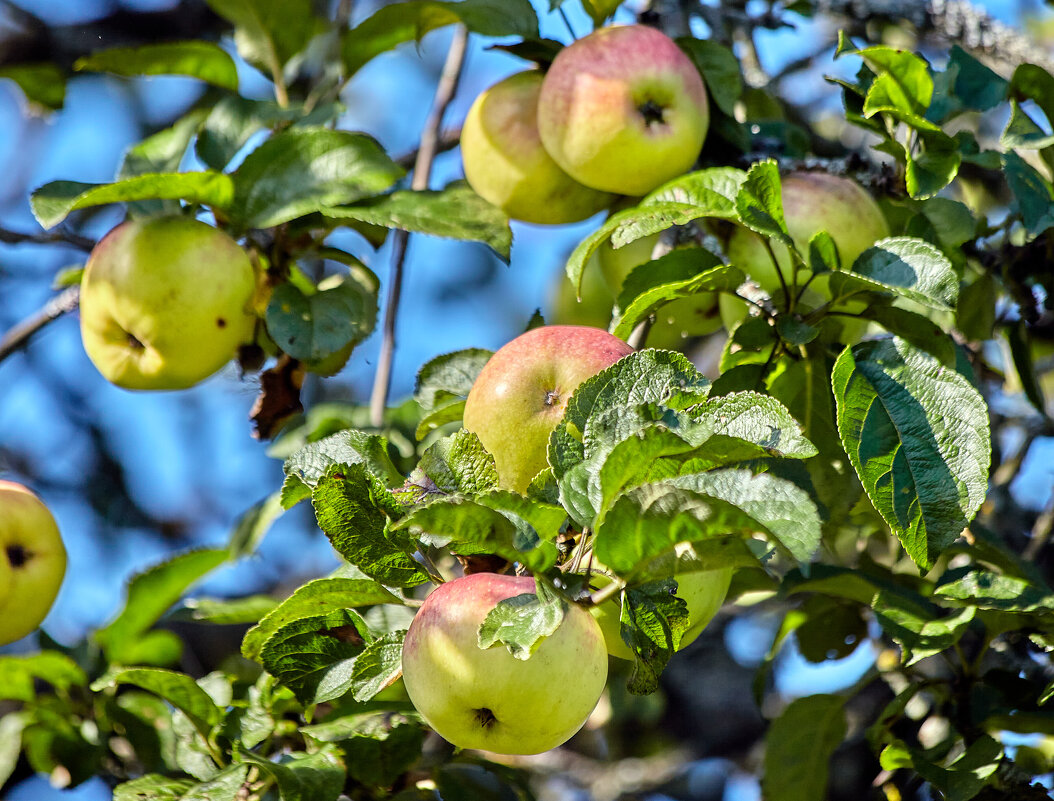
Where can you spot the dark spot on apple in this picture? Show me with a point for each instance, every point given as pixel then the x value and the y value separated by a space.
pixel 652 112
pixel 134 341
pixel 485 718
pixel 221 323
pixel 552 397
pixel 17 555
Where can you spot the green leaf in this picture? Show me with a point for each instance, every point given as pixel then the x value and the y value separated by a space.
pixel 975 312
pixel 443 384
pixel 759 203
pixel 203 60
pixel 350 446
pixel 988 590
pixel 908 72
pixel 305 170
pixel 915 329
pixel 521 622
pixel 153 787
pixel 1033 193
pixel 178 689
pixel 968 774
pixel 163 151
pixel 934 166
pixel 599 10
pixel 318 597
pixel 230 784
pixel 919 631
pixel 719 68
pixel 678 274
pixel 54 201
pixel 497 522
pixel 353 509
pixel 397 23
pixel 798 748
pixel 43 84
pixel 758 419
pixel 378 748
pixel 909 267
pixel 18 674
pixel 311 327
pixel 977 86
pixel 313 656
pixel 456 212
pixel 378 666
pixel 252 526
pixel 149 596
pixel 304 777
pixel 917 435
pixel 823 254
pixel 649 520
pixel 268 32
pixel 1020 343
pixel 652 621
pixel 247 609
pixel 1022 132
pixel 457 463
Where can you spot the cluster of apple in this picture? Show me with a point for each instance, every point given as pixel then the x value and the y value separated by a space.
pixel 485 697
pixel 32 561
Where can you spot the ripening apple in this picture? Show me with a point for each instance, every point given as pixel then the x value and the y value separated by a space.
pixel 165 303
pixel 32 561
pixel 520 394
pixel 506 164
pixel 812 202
pixel 693 316
pixel 593 308
pixel 487 698
pixel 623 109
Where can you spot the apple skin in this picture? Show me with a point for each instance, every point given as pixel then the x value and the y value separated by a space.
pixel 812 202
pixel 594 308
pixel 165 303
pixel 487 698
pixel 678 320
pixel 623 109
pixel 32 561
pixel 506 164
pixel 520 394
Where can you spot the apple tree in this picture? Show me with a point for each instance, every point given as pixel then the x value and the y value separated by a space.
pixel 817 360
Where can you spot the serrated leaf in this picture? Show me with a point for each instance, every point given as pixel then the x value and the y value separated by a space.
pixel 353 509
pixel 350 446
pixel 522 622
pixel 759 203
pixel 378 747
pixel 178 689
pixel 311 327
pixel 149 596
pixel 318 597
pixel 247 609
pixel 197 59
pixel 378 666
pixel 455 212
pixel 798 748
pixel 305 170
pixel 397 23
pixel 229 784
pixel 988 590
pixel 910 267
pixel 304 777
pixel 917 435
pixel 652 621
pixel 268 32
pixel 1022 132
pixel 932 167
pixel 41 83
pixel 976 85
pixel 719 68
pixel 54 201
pixel 1033 193
pixel 153 787
pixel 449 377
pixel 916 329
pixel 458 463
pixel 759 419
pixel 18 674
pixel 908 71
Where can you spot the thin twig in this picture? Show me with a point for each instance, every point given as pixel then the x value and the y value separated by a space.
pixel 426 153
pixel 448 140
pixel 47 238
pixel 19 336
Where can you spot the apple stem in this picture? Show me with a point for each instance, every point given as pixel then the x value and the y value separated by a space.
pixel 447 86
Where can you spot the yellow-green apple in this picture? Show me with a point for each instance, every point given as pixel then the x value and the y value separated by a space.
pixel 812 202
pixel 487 698
pixel 32 561
pixel 165 302
pixel 521 393
pixel 623 109
pixel 693 316
pixel 506 164
pixel 594 307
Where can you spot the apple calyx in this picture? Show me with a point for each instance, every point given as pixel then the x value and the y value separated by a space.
pixel 485 718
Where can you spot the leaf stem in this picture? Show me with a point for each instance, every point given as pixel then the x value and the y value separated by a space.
pixel 426 153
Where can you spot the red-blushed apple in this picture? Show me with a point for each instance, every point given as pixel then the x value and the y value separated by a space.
pixel 32 561
pixel 812 202
pixel 623 109
pixel 165 303
pixel 521 393
pixel 506 164
pixel 487 698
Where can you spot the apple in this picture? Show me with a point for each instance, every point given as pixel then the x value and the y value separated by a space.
pixel 487 698
pixel 32 561
pixel 812 202
pixel 520 394
pixel 594 308
pixel 506 164
pixel 165 303
pixel 623 109
pixel 693 316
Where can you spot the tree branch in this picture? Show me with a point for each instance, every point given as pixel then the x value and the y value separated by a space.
pixel 18 337
pixel 426 153
pixel 47 238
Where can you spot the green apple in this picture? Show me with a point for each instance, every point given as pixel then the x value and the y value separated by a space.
pixel 32 561
pixel 594 307
pixel 487 698
pixel 623 109
pixel 506 164
pixel 678 320
pixel 165 303
pixel 812 202
pixel 520 394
